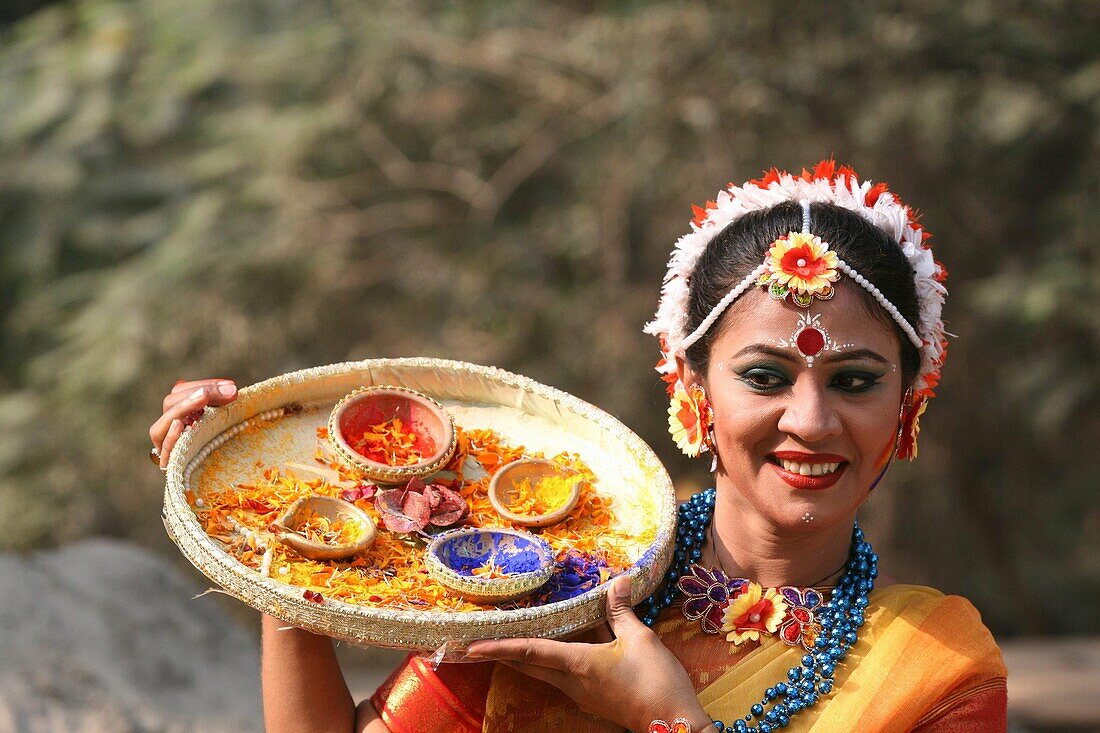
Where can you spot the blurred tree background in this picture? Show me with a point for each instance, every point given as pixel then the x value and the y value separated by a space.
pixel 242 188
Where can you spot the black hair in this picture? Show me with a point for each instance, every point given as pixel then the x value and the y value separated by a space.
pixel 739 248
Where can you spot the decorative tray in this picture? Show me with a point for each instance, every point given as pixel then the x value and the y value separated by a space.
pixel 241 466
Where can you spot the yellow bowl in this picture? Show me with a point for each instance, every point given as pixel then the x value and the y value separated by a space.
pixel 373 405
pixel 285 528
pixel 533 469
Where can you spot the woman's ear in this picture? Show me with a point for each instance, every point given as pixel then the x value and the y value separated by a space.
pixel 683 371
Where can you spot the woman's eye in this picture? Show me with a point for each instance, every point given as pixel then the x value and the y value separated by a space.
pixel 761 380
pixel 855 382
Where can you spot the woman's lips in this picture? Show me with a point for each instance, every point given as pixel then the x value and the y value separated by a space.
pixel 810 482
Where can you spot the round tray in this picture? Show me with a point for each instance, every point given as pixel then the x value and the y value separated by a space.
pixel 275 421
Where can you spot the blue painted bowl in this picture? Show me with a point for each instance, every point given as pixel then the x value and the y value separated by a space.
pixel 489 564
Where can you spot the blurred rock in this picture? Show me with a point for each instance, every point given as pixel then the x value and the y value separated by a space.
pixel 104 636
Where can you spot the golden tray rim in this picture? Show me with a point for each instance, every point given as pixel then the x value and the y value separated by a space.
pixel 394 628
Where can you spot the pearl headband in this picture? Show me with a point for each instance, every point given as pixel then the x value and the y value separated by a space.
pixel 756 277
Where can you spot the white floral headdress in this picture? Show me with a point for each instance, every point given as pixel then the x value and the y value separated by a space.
pixel 827 183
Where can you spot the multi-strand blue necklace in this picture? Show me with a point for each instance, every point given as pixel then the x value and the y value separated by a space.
pixel 840 618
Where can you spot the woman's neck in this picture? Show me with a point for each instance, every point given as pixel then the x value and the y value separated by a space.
pixel 744 545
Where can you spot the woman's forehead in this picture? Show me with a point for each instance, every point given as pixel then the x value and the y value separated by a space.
pixel 844 321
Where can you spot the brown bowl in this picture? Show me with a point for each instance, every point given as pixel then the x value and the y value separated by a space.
pixel 533 469
pixel 373 405
pixel 326 506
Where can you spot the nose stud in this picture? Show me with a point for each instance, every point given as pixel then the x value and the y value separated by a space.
pixel 807 517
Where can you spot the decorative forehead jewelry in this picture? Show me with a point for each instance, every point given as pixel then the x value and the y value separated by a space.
pixel 803 268
pixel 811 338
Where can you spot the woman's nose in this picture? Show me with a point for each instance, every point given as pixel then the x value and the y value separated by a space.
pixel 809 415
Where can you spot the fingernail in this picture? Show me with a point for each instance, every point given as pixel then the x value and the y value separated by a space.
pixel 227 389
pixel 196 394
pixel 175 424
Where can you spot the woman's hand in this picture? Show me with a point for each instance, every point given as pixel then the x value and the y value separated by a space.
pixel 631 680
pixel 184 399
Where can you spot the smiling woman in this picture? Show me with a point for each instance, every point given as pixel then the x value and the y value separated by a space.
pixel 801 341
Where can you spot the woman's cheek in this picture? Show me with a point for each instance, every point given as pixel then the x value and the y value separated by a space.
pixel 883 458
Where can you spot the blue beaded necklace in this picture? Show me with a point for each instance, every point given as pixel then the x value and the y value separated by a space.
pixel 840 617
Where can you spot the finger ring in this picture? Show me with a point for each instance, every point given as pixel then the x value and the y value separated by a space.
pixel 154 455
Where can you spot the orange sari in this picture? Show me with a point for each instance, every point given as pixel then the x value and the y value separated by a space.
pixel 923 662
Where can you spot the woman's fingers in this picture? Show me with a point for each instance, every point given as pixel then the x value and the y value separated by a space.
pixel 175 429
pixel 221 391
pixel 178 405
pixel 559 655
pixel 564 681
pixel 620 614
pixel 195 400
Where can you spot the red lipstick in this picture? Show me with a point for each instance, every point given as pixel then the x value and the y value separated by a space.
pixel 811 483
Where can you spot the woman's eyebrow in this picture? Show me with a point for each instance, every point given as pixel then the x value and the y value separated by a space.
pixel 853 354
pixel 829 358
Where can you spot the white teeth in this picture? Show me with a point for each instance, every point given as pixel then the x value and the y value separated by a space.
pixel 808 469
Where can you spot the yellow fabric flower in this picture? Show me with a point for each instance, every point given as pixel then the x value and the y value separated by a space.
pixel 753 613
pixel 803 263
pixel 688 417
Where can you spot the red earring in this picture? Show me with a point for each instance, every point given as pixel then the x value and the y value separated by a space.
pixel 909 425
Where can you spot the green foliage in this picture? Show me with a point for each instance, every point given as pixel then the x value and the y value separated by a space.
pixel 243 188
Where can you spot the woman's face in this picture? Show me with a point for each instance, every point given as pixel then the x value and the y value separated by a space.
pixel 777 418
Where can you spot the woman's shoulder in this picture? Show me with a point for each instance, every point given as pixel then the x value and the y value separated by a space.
pixel 932 620
pixel 916 599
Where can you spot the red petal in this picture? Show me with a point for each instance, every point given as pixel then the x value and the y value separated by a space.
pixel 431 492
pixel 825 169
pixel 417 508
pixel 699 215
pixel 872 195
pixel 791 632
pixel 390 501
pixel 452 507
pixel 259 506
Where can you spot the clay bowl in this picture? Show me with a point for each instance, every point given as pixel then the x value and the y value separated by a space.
pixel 527 562
pixel 503 486
pixel 367 406
pixel 325 506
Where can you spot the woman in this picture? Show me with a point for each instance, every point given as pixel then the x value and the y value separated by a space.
pixel 801 340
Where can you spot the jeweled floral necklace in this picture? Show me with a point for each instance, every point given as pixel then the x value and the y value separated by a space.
pixel 825 629
pixel 745 611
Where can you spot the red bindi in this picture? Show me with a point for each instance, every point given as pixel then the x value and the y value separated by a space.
pixel 810 341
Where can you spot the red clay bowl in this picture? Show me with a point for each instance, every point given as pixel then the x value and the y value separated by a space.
pixel 433 426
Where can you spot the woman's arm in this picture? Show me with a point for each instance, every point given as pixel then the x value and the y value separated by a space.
pixel 303 687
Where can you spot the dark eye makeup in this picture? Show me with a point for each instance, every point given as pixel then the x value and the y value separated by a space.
pixel 765 378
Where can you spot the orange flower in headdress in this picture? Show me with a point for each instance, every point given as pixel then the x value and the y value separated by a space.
pixel 802 265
